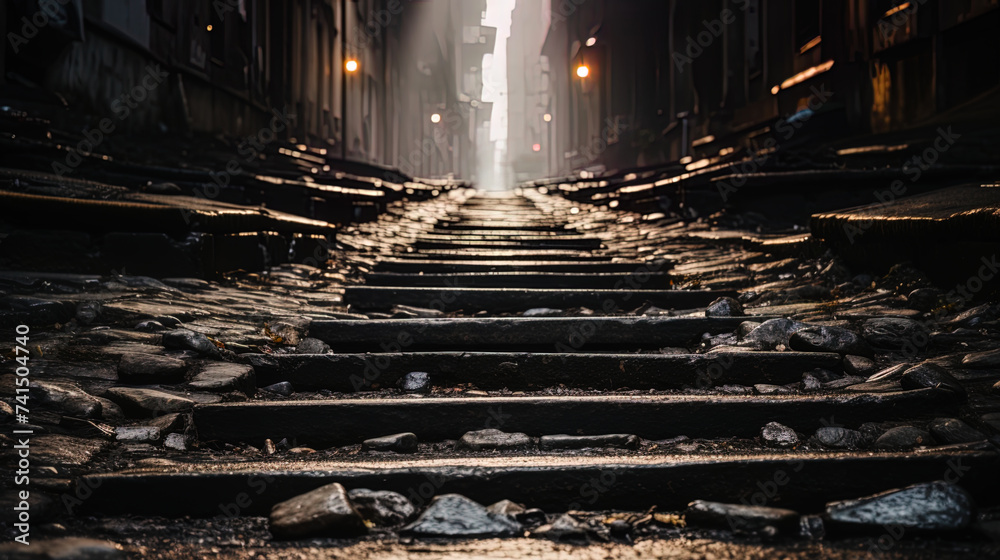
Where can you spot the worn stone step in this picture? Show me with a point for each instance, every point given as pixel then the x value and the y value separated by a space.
pixel 608 281
pixel 805 481
pixel 504 254
pixel 585 243
pixel 350 421
pixel 535 371
pixel 413 266
pixel 512 299
pixel 555 334
pixel 500 225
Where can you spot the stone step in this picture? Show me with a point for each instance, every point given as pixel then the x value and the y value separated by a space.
pixel 480 266
pixel 555 334
pixel 349 421
pixel 806 481
pixel 423 243
pixel 511 299
pixel 536 371
pixel 503 254
pixel 608 281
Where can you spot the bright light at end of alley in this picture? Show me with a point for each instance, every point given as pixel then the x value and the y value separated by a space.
pixel 583 71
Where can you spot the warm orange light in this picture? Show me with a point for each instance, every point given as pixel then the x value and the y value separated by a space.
pixel 352 65
pixel 583 70
pixel 547 117
pixel 209 27
pixel 435 118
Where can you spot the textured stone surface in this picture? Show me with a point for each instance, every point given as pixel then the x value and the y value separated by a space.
pixel 454 515
pixel 778 435
pixel 494 440
pixel 929 506
pixel 148 402
pixel 953 430
pixel 562 441
pixel 829 339
pixel 224 376
pixel 400 443
pixel 383 508
pixel 150 368
pixel 739 517
pixel 904 437
pixel 325 512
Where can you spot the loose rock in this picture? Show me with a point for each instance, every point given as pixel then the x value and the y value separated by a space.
pixel 177 442
pixel 416 382
pixel 904 437
pixel 923 299
pixel 989 359
pixel 562 441
pixel 325 512
pixel 494 440
pixel 953 430
pixel 771 333
pixel 506 507
pixel 542 312
pixel 224 377
pixel 382 508
pixel 183 339
pixel 563 529
pixel 454 515
pixel 934 376
pixel 72 548
pixel 137 434
pixel 929 506
pixel 895 334
pixel 148 402
pixel 400 443
pixel 66 397
pixel 859 365
pixel 741 518
pixel 150 368
pixel 283 388
pixel 837 438
pixel 312 346
pixel 724 307
pixel 778 435
pixel 829 339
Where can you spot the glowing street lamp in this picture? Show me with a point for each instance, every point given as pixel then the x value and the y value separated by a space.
pixel 351 65
pixel 547 117
pixel 436 118
pixel 537 147
pixel 592 41
pixel 583 70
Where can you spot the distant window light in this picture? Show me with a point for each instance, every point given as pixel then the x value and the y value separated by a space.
pixel 592 41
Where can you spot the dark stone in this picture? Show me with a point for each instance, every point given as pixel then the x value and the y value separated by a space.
pixel 148 402
pixel 563 529
pixel 829 339
pixel 137 434
pixel 312 346
pixel 400 443
pixel 996 388
pixel 895 334
pixel 283 388
pixel 87 312
pixel 771 333
pixel 934 376
pixel 893 373
pixel 778 435
pixel 837 438
pixel 924 299
pixel 183 339
pixel 454 515
pixel 382 508
pixel 325 512
pixel 724 307
pixel 766 389
pixel 992 420
pixel 740 518
pixel 150 368
pixel 863 280
pixel 416 382
pixel 150 326
pixel 811 527
pixel 562 441
pixel 929 506
pixel 6 412
pixel 531 516
pixel 904 437
pixel 225 377
pixel 974 317
pixel 506 507
pixel 168 321
pixel 989 359
pixel 745 328
pixel 66 397
pixel 494 440
pixel 859 365
pixel 953 430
